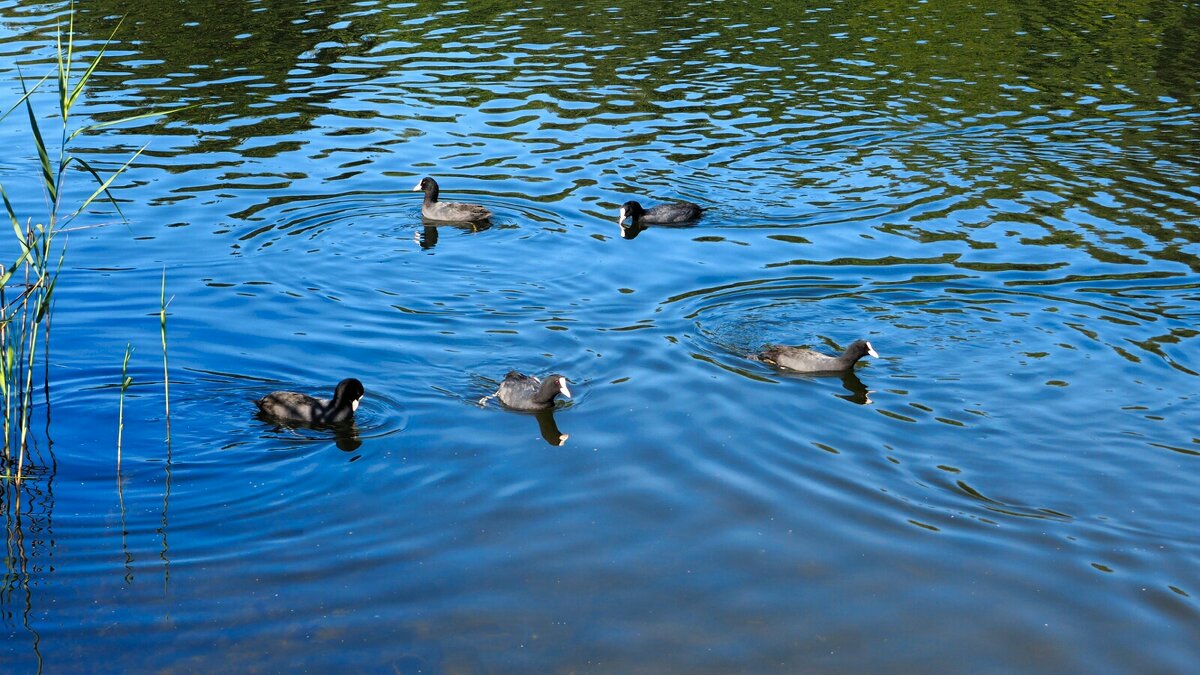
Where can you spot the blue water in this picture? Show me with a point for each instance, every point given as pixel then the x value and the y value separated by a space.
pixel 1002 199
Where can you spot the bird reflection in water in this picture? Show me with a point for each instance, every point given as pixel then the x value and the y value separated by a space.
pixel 346 437
pixel 632 230
pixel 858 391
pixel 345 434
pixel 427 238
pixel 549 428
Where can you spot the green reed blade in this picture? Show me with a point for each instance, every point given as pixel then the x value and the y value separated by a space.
pixel 123 120
pixel 12 215
pixel 43 304
pixel 7 273
pixel 70 101
pixel 162 318
pixel 126 380
pixel 47 172
pixel 27 94
pixel 103 183
pixel 63 69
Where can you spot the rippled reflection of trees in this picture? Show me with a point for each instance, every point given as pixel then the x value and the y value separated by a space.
pixel 242 54
pixel 980 107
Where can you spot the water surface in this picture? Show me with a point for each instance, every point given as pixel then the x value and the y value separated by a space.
pixel 1002 198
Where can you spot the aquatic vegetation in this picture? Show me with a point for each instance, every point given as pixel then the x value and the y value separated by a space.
pixel 126 381
pixel 162 322
pixel 27 284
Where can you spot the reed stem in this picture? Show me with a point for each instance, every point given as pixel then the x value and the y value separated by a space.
pixel 126 380
pixel 162 319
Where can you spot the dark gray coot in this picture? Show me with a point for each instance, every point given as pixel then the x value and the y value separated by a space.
pixel 289 405
pixel 663 214
pixel 526 392
pixel 805 360
pixel 451 212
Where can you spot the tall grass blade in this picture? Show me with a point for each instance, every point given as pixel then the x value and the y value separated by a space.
pixel 70 101
pixel 43 156
pixel 27 94
pixel 103 189
pixel 29 358
pixel 9 395
pixel 12 215
pixel 162 322
pixel 64 64
pixel 124 120
pixel 126 380
pixel 8 275
pixel 47 296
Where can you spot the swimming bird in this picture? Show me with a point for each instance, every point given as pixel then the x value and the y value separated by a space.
pixel 526 392
pixel 804 360
pixel 455 212
pixel 663 214
pixel 289 405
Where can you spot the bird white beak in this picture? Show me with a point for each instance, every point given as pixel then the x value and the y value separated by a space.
pixel 621 220
pixel 562 384
pixel 417 188
pixel 871 350
pixel 354 406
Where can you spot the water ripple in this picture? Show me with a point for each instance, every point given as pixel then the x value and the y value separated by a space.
pixel 1004 202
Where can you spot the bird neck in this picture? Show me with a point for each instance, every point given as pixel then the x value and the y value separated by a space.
pixel 547 392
